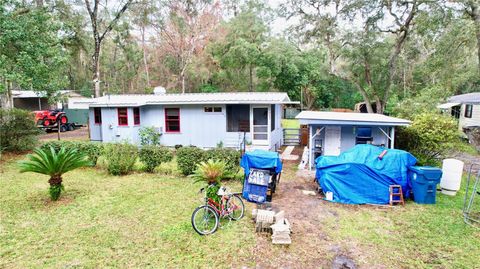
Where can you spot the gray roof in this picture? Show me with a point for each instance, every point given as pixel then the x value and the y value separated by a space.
pixel 349 118
pixel 468 98
pixel 193 98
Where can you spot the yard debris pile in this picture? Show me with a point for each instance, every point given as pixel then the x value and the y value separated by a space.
pixel 274 223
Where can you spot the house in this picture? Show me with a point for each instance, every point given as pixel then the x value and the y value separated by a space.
pixel 200 119
pixel 331 133
pixel 465 108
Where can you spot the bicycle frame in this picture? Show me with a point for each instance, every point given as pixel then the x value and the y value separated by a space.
pixel 220 208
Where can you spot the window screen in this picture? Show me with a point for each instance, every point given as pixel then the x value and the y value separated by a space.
pixel 238 118
pixel 172 120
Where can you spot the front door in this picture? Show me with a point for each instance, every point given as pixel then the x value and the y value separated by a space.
pixel 260 125
pixel 333 136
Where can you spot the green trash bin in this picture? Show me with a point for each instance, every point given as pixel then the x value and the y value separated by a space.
pixel 424 180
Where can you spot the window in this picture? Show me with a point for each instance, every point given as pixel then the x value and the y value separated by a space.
pixel 272 118
pixel 468 111
pixel 238 118
pixel 136 116
pixel 172 120
pixel 213 109
pixel 97 115
pixel 122 116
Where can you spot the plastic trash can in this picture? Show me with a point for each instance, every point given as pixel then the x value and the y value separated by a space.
pixel 424 180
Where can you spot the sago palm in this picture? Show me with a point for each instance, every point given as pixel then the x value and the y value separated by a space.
pixel 54 164
pixel 211 171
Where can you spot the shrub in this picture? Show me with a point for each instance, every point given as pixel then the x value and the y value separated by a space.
pixel 168 168
pixel 231 158
pixel 149 136
pixel 120 158
pixel 152 156
pixel 54 163
pixel 429 138
pixel 17 130
pixel 92 150
pixel 188 158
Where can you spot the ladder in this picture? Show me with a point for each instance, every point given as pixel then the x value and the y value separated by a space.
pixel 396 191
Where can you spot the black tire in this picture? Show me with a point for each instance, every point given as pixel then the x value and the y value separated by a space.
pixel 62 119
pixel 70 127
pixel 63 128
pixel 208 216
pixel 239 212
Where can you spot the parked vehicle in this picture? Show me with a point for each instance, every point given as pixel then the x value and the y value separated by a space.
pixel 206 218
pixel 50 119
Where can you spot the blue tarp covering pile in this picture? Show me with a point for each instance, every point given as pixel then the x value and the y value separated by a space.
pixel 259 159
pixel 359 176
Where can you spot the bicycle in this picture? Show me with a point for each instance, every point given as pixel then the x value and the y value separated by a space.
pixel 206 218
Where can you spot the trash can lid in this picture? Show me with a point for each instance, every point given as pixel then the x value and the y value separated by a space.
pixel 425 169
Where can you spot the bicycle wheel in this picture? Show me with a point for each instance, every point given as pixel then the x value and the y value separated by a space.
pixel 205 220
pixel 236 207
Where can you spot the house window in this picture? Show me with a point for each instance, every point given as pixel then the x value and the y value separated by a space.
pixel 122 116
pixel 136 116
pixel 213 109
pixel 272 118
pixel 238 118
pixel 468 111
pixel 97 115
pixel 172 120
pixel 364 135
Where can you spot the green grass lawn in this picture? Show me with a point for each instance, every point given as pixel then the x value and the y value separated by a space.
pixel 139 220
pixel 143 221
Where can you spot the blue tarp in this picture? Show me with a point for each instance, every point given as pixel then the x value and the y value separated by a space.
pixel 261 159
pixel 359 176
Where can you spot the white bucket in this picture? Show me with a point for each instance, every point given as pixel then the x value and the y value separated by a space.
pixel 329 196
pixel 452 171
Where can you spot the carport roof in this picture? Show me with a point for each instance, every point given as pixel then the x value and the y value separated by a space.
pixel 348 118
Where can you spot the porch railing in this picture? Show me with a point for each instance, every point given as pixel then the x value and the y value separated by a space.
pixel 292 136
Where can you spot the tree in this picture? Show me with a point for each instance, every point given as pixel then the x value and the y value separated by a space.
pixel 472 8
pixel 31 53
pixel 190 26
pixel 376 39
pixel 54 164
pixel 242 47
pixel 100 30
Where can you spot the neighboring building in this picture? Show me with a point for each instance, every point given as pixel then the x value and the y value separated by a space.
pixel 32 100
pixel 465 108
pixel 331 133
pixel 200 119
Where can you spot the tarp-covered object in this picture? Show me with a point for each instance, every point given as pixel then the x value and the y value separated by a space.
pixel 359 176
pixel 261 159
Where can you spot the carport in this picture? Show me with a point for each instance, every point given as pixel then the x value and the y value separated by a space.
pixel 331 133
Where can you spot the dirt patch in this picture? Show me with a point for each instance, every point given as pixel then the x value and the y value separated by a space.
pixel 311 247
pixel 78 134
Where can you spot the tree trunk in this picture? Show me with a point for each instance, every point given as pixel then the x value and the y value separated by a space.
pixel 182 79
pixel 145 63
pixel 475 14
pixel 96 68
pixel 250 84
pixel 7 99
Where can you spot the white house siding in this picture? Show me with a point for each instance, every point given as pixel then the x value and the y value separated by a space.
pixel 112 132
pixel 197 127
pixel 348 136
pixel 95 129
pixel 473 121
